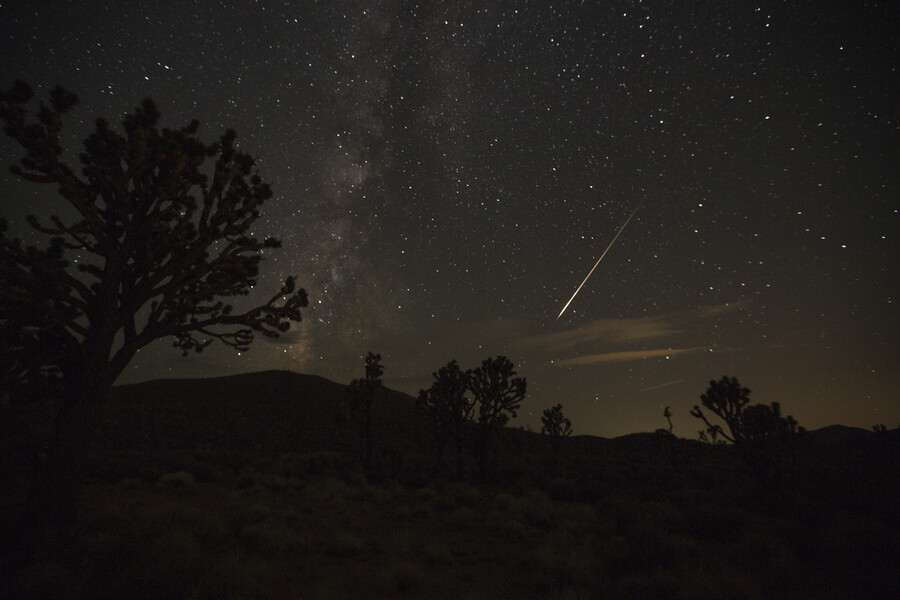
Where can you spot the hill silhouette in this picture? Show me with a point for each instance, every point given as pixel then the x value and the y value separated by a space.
pixel 285 410
pixel 280 410
pixel 263 411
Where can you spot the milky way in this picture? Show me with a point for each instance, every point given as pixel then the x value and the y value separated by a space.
pixel 435 163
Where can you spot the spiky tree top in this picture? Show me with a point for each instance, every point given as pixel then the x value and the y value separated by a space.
pixel 729 400
pixel 497 391
pixel 555 424
pixel 446 399
pixel 366 388
pixel 726 398
pixel 163 239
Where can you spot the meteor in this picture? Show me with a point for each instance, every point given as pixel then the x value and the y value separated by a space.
pixel 599 259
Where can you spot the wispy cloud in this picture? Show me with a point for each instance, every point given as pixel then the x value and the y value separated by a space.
pixel 714 310
pixel 628 330
pixel 599 341
pixel 624 355
pixel 602 330
pixel 606 334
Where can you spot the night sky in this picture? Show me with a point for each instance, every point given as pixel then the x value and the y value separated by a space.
pixel 446 174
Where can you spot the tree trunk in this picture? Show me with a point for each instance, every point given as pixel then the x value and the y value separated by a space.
pixel 458 442
pixel 368 450
pixel 50 511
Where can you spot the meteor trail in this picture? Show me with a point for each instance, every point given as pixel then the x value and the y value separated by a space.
pixel 599 259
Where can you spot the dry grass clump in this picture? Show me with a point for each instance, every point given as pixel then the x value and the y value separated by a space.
pixel 402 578
pixel 563 561
pixel 343 544
pixel 326 491
pixel 533 508
pixel 179 479
pixel 459 494
pixel 426 496
pixel 273 537
pixel 436 553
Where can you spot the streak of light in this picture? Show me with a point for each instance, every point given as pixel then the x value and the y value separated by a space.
pixel 622 228
pixel 662 385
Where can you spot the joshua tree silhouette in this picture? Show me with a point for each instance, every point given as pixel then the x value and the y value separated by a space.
pixel 728 400
pixel 448 406
pixel 363 392
pixel 162 249
pixel 498 395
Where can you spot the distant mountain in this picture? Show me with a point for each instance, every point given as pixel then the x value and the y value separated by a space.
pixel 842 434
pixel 274 411
pixel 833 433
pixel 267 410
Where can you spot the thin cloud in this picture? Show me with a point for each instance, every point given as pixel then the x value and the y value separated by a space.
pixel 714 310
pixel 602 330
pixel 622 356
pixel 624 331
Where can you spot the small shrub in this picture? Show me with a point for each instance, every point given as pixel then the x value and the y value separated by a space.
pixel 343 544
pixel 512 528
pixel 459 494
pixel 437 553
pixel 464 516
pixel 130 484
pixel 638 552
pixel 710 522
pixel 43 580
pixel 591 489
pixel 272 538
pixel 504 501
pixel 564 561
pixel 535 509
pixel 426 496
pixel 579 518
pixel 254 513
pixel 245 481
pixel 179 479
pixel 403 578
pixel 326 490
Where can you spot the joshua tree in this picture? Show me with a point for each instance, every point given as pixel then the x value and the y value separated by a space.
pixel 761 422
pixel 667 439
pixel 363 393
pixel 448 407
pixel 728 400
pixel 668 415
pixel 158 247
pixel 498 395
pixel 556 426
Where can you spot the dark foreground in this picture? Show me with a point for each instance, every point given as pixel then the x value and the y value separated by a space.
pixel 645 516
